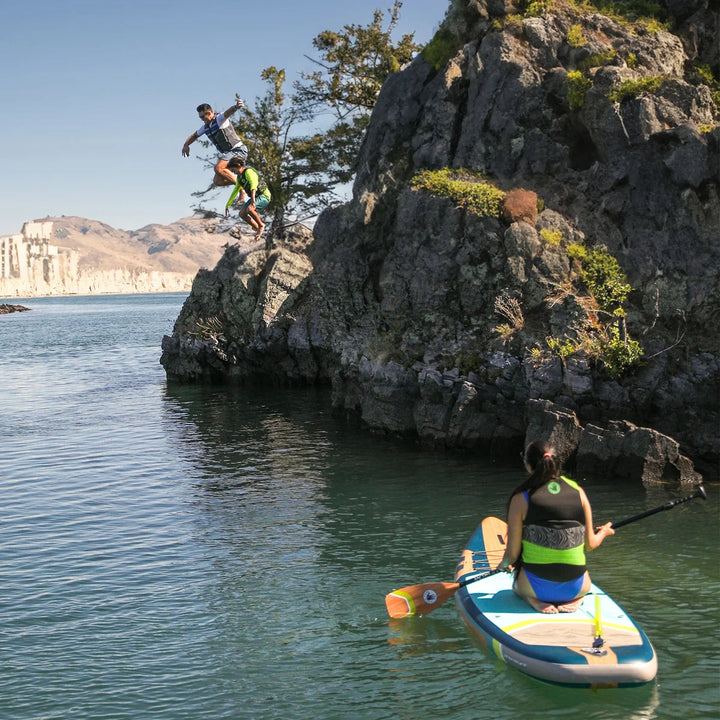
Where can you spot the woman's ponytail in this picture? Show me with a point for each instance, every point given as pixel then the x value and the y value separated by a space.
pixel 540 463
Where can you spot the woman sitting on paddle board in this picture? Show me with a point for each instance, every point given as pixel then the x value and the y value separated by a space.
pixel 550 527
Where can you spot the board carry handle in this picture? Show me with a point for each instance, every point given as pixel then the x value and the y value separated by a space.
pixel 699 493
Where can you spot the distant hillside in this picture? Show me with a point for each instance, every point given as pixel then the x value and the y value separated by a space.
pixel 74 255
pixel 181 247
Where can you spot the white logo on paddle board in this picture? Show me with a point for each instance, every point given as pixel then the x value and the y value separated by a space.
pixel 430 597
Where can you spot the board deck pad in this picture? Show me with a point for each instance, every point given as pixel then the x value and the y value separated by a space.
pixel 560 647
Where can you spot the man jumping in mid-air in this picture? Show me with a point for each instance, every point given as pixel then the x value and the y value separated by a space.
pixel 221 132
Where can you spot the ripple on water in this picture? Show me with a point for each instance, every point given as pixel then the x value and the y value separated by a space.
pixel 202 552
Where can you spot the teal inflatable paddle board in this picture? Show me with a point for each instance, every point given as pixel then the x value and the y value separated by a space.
pixel 598 645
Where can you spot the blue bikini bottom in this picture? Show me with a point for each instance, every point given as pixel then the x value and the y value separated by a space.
pixel 555 592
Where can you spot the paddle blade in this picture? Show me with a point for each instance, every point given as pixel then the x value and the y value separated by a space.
pixel 418 599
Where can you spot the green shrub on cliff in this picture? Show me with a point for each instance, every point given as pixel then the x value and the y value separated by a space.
pixel 578 85
pixel 633 88
pixel 652 16
pixel 604 336
pixel 562 347
pixel 551 237
pixel 606 57
pixel 443 46
pixel 649 15
pixel 575 37
pixel 603 277
pixel 619 352
pixel 601 343
pixel 469 190
pixel 534 8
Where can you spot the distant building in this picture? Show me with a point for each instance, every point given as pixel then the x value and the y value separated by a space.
pixel 30 265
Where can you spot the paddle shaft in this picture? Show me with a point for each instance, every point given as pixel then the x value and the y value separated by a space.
pixel 700 492
pixel 473 578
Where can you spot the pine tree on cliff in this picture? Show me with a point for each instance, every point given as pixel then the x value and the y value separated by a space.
pixel 304 172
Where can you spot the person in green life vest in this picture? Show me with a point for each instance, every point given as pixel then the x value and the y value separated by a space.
pixel 550 527
pixel 248 181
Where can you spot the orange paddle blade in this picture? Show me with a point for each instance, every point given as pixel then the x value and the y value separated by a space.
pixel 418 599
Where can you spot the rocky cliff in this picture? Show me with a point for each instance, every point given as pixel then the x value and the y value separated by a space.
pixel 458 325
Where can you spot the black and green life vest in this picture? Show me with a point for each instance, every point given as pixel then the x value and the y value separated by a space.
pixel 553 539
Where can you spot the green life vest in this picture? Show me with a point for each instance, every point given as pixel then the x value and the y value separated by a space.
pixel 249 179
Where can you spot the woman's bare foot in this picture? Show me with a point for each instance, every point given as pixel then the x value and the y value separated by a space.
pixel 571 607
pixel 540 606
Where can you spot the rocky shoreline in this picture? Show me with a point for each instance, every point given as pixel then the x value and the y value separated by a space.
pixel 6 308
pixel 441 408
pixel 392 300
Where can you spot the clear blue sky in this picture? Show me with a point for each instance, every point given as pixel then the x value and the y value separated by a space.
pixel 98 96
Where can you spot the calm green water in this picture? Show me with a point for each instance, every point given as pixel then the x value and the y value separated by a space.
pixel 196 553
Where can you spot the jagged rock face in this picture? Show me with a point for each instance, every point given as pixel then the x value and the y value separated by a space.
pixel 638 176
pixel 234 323
pixel 398 312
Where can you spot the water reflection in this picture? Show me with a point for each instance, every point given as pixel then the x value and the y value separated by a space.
pixel 308 525
pixel 372 505
pixel 414 636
